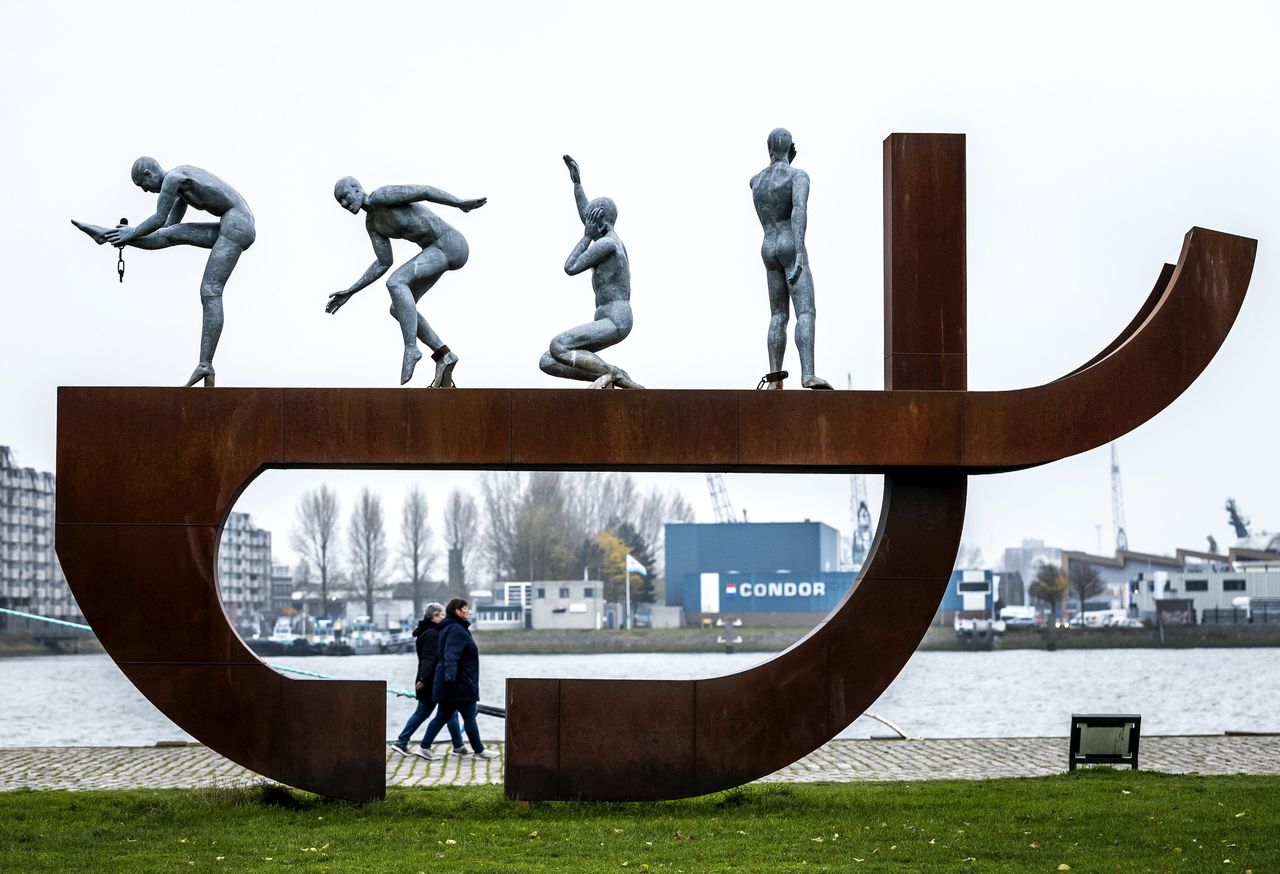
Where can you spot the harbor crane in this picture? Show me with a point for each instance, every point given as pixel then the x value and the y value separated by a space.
pixel 1117 503
pixel 720 504
pixel 859 513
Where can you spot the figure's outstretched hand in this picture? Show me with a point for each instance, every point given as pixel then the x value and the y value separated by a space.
pixel 336 300
pixel 791 154
pixel 468 205
pixel 574 175
pixel 119 235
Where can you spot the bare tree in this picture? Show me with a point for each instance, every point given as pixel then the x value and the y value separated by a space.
pixel 678 509
pixel 593 501
pixel 1086 583
pixel 968 556
pixel 656 510
pixel 368 545
pixel 527 527
pixel 501 492
pixel 461 527
pixel 416 554
pixel 315 530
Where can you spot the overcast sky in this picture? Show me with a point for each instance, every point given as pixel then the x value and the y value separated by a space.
pixel 1098 134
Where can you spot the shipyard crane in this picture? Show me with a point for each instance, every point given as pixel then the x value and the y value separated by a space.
pixel 1238 520
pixel 862 532
pixel 720 504
pixel 858 511
pixel 1117 503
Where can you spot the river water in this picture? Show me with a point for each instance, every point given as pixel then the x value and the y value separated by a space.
pixel 72 700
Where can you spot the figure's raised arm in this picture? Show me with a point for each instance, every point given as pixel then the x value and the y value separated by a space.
pixel 165 204
pixel 400 195
pixel 579 196
pixel 588 254
pixel 383 262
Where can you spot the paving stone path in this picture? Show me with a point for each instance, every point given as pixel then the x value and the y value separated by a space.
pixel 839 761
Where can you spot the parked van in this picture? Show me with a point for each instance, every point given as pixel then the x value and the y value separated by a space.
pixel 1019 616
pixel 1104 618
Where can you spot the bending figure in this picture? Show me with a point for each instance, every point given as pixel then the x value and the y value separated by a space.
pixel 781 195
pixel 572 355
pixel 226 238
pixel 395 212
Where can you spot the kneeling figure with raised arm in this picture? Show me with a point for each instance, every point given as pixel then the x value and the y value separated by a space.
pixel 573 354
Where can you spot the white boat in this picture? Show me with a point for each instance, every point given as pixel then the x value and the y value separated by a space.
pixel 282 631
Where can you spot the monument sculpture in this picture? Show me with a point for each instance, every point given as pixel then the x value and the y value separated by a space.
pixel 395 212
pixel 135 548
pixel 227 238
pixel 781 196
pixel 572 355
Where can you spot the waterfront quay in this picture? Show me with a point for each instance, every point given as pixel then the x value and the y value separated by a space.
pixel 193 766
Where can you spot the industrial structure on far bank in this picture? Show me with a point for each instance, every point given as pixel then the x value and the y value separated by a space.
pixel 761 573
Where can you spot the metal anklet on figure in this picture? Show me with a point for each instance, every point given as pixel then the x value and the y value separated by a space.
pixel 395 212
pixel 781 196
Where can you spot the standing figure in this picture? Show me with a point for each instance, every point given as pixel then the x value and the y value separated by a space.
pixel 229 236
pixel 394 212
pixel 781 195
pixel 426 642
pixel 573 354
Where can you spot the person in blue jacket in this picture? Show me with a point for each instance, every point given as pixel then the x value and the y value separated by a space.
pixel 456 687
pixel 426 641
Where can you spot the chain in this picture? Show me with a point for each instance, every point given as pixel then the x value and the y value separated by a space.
pixel 120 255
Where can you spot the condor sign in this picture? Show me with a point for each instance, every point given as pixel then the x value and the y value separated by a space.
pixel 745 593
pixel 788 589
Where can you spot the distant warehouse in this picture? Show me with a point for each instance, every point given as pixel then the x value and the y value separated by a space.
pixel 768 573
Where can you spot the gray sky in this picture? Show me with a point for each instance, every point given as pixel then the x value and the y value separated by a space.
pixel 1097 135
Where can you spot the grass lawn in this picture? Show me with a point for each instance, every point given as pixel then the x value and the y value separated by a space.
pixel 1096 820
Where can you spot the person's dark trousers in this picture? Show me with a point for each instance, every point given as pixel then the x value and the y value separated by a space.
pixel 448 711
pixel 420 716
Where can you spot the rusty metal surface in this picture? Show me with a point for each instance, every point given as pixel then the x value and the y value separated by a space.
pixel 146 477
pixel 924 262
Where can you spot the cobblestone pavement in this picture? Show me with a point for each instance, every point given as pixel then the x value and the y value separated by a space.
pixel 838 761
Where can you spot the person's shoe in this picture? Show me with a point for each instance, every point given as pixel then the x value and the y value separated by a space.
pixel 486 754
pixel 401 749
pixel 426 753
pixel 461 751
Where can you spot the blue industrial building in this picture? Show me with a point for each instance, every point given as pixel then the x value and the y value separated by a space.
pixel 778 573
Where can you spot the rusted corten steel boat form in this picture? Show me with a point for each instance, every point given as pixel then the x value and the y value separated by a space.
pixel 147 477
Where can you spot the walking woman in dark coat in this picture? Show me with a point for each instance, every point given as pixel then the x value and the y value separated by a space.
pixel 457 680
pixel 426 639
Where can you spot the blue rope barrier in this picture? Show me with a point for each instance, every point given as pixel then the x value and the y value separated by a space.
pixel 78 625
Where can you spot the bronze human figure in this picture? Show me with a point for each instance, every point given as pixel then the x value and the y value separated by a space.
pixel 226 238
pixel 572 355
pixel 781 195
pixel 395 212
